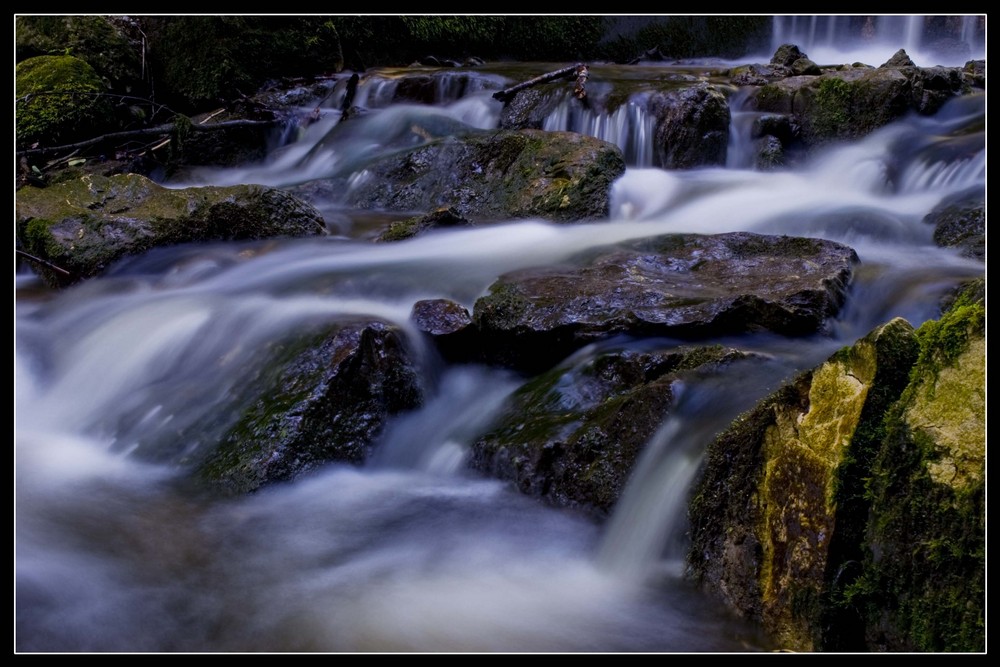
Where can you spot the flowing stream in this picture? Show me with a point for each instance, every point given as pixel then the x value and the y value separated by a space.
pixel 117 551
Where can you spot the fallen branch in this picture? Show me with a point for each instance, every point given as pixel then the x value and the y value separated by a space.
pixel 41 261
pixel 135 134
pixel 579 71
pixel 157 107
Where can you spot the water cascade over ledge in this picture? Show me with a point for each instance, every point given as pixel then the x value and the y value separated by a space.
pixel 124 381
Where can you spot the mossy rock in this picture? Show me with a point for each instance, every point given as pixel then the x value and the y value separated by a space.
pixel 924 582
pixel 324 397
pixel 111 45
pixel 58 101
pixel 572 435
pixel 775 513
pixel 84 226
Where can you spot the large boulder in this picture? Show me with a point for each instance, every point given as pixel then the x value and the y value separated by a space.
pixel 843 104
pixel 847 510
pixel 323 398
pixel 852 101
pixel 79 228
pixel 558 176
pixel 779 485
pixel 674 285
pixel 572 435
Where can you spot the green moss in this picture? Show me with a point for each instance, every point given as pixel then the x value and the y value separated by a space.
pixel 923 582
pixel 835 103
pixel 58 101
pixel 102 41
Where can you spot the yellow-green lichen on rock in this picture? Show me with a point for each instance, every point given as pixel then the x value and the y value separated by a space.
pixel 950 408
pixel 803 452
pixel 781 485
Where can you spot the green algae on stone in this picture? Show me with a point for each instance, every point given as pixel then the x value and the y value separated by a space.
pixel 323 398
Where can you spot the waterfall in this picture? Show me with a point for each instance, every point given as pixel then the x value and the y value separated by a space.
pixel 123 382
pixel 873 39
pixel 630 127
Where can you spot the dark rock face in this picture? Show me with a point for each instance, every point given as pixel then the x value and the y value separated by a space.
pixel 528 109
pixel 923 586
pixel 324 399
pixel 851 102
pixel 572 435
pixel 559 176
pixel 838 105
pixel 960 222
pixel 677 285
pixel 899 59
pixel 83 226
pixel 692 127
pixel 786 54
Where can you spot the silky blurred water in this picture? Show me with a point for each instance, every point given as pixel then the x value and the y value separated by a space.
pixel 123 382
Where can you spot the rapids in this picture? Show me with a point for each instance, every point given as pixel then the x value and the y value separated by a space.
pixel 117 551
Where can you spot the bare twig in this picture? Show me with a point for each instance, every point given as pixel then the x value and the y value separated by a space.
pixel 43 262
pixel 156 106
pixel 566 72
pixel 146 132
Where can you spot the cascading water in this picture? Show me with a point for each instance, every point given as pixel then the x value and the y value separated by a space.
pixel 123 380
pixel 942 40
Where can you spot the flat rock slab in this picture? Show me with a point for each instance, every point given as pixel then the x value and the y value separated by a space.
pixel 683 285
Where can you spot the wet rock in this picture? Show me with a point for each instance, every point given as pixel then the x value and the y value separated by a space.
pixel 924 582
pixel 804 66
pixel 323 398
pixel 450 326
pixel 572 435
pixel 692 127
pixel 846 512
pixel 439 219
pixel 960 222
pixel 85 225
pixel 851 102
pixel 770 153
pixel 676 285
pixel 527 109
pixel 899 59
pixel 786 54
pixel 559 176
pixel 974 73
